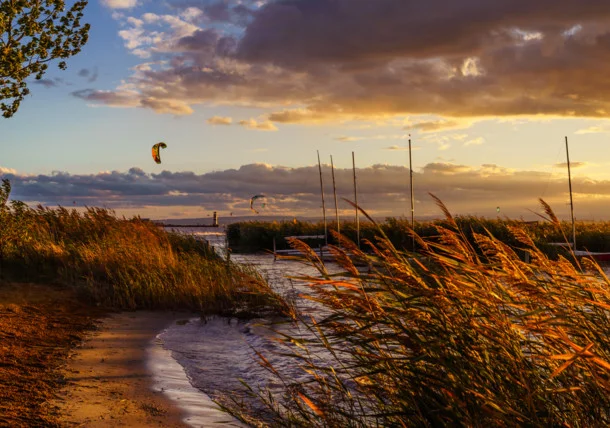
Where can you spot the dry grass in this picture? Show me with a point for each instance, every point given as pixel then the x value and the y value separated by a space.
pixel 463 334
pixel 126 264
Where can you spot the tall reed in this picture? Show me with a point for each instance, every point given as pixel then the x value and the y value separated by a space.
pixel 125 263
pixel 464 333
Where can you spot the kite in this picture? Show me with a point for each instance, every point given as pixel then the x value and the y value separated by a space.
pixel 254 198
pixel 497 209
pixel 155 151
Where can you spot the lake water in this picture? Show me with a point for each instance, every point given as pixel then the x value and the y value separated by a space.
pixel 205 359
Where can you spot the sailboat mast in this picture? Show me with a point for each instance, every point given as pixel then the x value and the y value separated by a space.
pixel 356 201
pixel 332 167
pixel 323 204
pixel 571 200
pixel 412 197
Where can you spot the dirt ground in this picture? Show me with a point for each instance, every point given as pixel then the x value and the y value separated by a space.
pixel 39 326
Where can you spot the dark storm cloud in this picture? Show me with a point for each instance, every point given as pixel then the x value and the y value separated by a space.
pixel 320 60
pixel 382 189
pixel 200 40
pixel 223 11
pixel 299 32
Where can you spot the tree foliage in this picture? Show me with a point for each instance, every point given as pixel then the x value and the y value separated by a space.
pixel 33 33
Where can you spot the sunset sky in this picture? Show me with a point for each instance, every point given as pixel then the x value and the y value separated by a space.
pixel 244 92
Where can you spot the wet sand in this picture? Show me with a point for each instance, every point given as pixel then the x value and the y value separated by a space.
pixel 65 363
pixel 108 379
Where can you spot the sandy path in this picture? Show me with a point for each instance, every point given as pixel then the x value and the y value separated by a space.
pixel 108 382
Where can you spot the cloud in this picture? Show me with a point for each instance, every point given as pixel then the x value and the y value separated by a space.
pixel 314 61
pixel 591 130
pixel 445 168
pixel 259 126
pixel 597 129
pixel 382 190
pixel 438 125
pixel 126 98
pixel 397 148
pixel 90 75
pixel 4 170
pixel 444 141
pixel 572 165
pixel 165 105
pixel 110 98
pixel 48 83
pixel 298 116
pixel 218 120
pixel 220 11
pixel 120 4
pixel 475 142
pixel 345 139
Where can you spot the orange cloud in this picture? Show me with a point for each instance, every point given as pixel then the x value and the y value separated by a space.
pixel 218 120
pixel 259 126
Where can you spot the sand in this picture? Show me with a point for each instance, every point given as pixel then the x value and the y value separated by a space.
pixel 108 380
pixel 65 363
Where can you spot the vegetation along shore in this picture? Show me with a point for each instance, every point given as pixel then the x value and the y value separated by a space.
pixel 61 270
pixel 254 236
pixel 469 333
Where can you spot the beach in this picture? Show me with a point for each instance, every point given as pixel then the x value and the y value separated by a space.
pixel 66 363
pixel 108 381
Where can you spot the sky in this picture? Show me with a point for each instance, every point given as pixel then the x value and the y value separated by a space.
pixel 245 93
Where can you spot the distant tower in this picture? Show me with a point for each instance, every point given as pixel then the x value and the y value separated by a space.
pixel 215 219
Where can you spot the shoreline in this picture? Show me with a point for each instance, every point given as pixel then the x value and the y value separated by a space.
pixel 171 380
pixel 122 375
pixel 67 363
pixel 108 380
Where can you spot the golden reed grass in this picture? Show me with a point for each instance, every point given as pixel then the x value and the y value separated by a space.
pixel 461 333
pixel 123 263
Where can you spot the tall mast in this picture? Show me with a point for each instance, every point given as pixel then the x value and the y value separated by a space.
pixel 332 167
pixel 323 204
pixel 571 200
pixel 356 201
pixel 412 197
